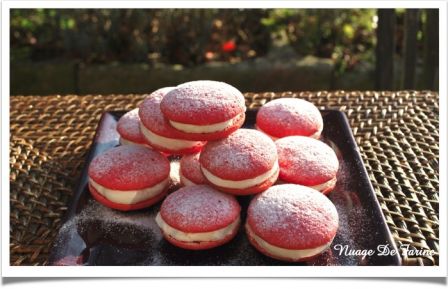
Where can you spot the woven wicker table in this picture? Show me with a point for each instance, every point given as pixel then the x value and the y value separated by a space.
pixel 397 133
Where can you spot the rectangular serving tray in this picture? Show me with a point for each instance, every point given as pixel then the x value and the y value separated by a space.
pixel 95 235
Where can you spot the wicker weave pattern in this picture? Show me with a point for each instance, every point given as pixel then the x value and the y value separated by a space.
pixel 39 195
pixel 397 133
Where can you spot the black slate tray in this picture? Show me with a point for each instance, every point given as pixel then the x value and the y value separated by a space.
pixel 95 235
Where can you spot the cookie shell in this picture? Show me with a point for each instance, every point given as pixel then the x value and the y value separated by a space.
pixel 293 217
pixel 306 161
pixel 128 127
pixel 245 154
pixel 152 119
pixel 289 116
pixel 198 209
pixel 190 169
pixel 203 102
pixel 127 168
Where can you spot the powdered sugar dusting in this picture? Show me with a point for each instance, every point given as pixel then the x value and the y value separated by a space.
pixel 150 114
pixel 289 116
pixel 129 127
pixel 152 118
pixel 191 168
pixel 112 237
pixel 199 209
pixel 305 160
pixel 109 217
pixel 161 92
pixel 129 167
pixel 293 216
pixel 245 154
pixel 203 102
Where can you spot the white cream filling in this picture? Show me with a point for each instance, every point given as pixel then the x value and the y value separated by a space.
pixel 132 196
pixel 185 181
pixel 196 237
pixel 325 185
pixel 164 142
pixel 191 128
pixel 243 184
pixel 286 253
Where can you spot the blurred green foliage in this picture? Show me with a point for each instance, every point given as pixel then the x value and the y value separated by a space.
pixel 345 35
pixel 193 36
pixel 177 36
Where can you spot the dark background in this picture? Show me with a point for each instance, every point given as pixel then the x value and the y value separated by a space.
pixel 89 51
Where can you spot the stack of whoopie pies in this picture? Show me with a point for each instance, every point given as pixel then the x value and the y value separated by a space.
pixel 281 163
